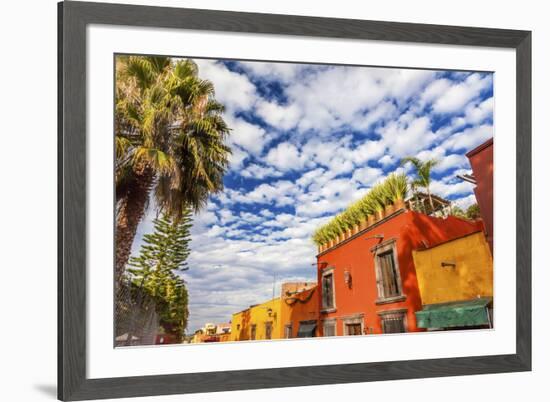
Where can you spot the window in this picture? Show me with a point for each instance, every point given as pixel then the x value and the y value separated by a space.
pixel 353 329
pixel 353 325
pixel 268 329
pixel 288 331
pixel 329 328
pixel 328 290
pixel 393 321
pixel 387 273
pixel 307 329
pixel 253 331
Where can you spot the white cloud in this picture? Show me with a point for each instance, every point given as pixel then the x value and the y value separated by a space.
pixel 226 216
pixel 309 177
pixel 258 172
pixel 249 137
pixel 383 112
pixel 465 202
pixel 282 117
pixel 435 90
pixel 469 138
pixel 444 161
pixel 237 157
pixel 408 135
pixel 458 95
pixel 285 72
pixel 331 97
pixel 285 157
pixel 266 213
pixel 445 190
pixel 476 114
pixel 234 90
pixel 279 193
pixel 367 176
pixel 281 220
pixel 386 160
pixel 251 218
pixel 365 152
pixel 451 161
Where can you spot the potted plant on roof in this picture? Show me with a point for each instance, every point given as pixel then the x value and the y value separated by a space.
pixel 387 199
pixel 318 239
pixel 379 201
pixel 331 234
pixel 367 210
pixel 341 227
pixel 397 189
pixel 349 221
pixel 355 217
pixel 363 213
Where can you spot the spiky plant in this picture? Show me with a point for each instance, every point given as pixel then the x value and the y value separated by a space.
pixel 379 197
pixel 396 187
pixel 354 214
pixel 393 189
pixel 341 224
pixel 367 205
pixel 318 237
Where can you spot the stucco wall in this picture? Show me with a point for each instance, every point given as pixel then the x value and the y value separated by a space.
pixel 481 160
pixel 409 230
pixel 241 323
pixel 472 275
pixel 303 306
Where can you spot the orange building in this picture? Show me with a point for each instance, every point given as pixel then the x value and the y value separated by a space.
pixel 300 310
pixel 368 282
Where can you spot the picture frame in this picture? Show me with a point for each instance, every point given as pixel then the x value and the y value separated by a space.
pixel 73 20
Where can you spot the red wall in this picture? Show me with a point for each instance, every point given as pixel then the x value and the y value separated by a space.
pixel 481 159
pixel 411 231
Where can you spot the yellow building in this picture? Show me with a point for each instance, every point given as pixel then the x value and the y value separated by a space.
pixel 260 321
pixel 457 270
pixel 293 314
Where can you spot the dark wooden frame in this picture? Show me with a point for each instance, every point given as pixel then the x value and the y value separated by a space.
pixel 73 17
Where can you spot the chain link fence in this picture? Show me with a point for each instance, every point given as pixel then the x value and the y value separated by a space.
pixel 136 319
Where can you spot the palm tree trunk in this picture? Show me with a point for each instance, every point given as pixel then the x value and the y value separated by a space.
pixel 129 215
pixel 430 198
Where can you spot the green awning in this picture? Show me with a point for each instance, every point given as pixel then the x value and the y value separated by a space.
pixel 467 313
pixel 307 330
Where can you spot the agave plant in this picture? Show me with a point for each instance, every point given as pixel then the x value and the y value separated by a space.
pixel 341 224
pixel 367 205
pixel 391 191
pixel 318 237
pixel 379 197
pixel 354 214
pixel 396 187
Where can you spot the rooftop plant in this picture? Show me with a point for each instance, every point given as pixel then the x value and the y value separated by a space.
pixel 390 191
pixel 396 187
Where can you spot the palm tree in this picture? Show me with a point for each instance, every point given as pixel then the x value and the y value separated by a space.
pixel 423 174
pixel 170 142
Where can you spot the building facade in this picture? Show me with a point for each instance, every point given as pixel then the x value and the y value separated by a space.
pixel 258 322
pixel 368 282
pixel 481 160
pixel 294 314
pixel 456 270
pixel 300 310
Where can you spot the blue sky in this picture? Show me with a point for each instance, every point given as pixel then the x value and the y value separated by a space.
pixel 308 140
